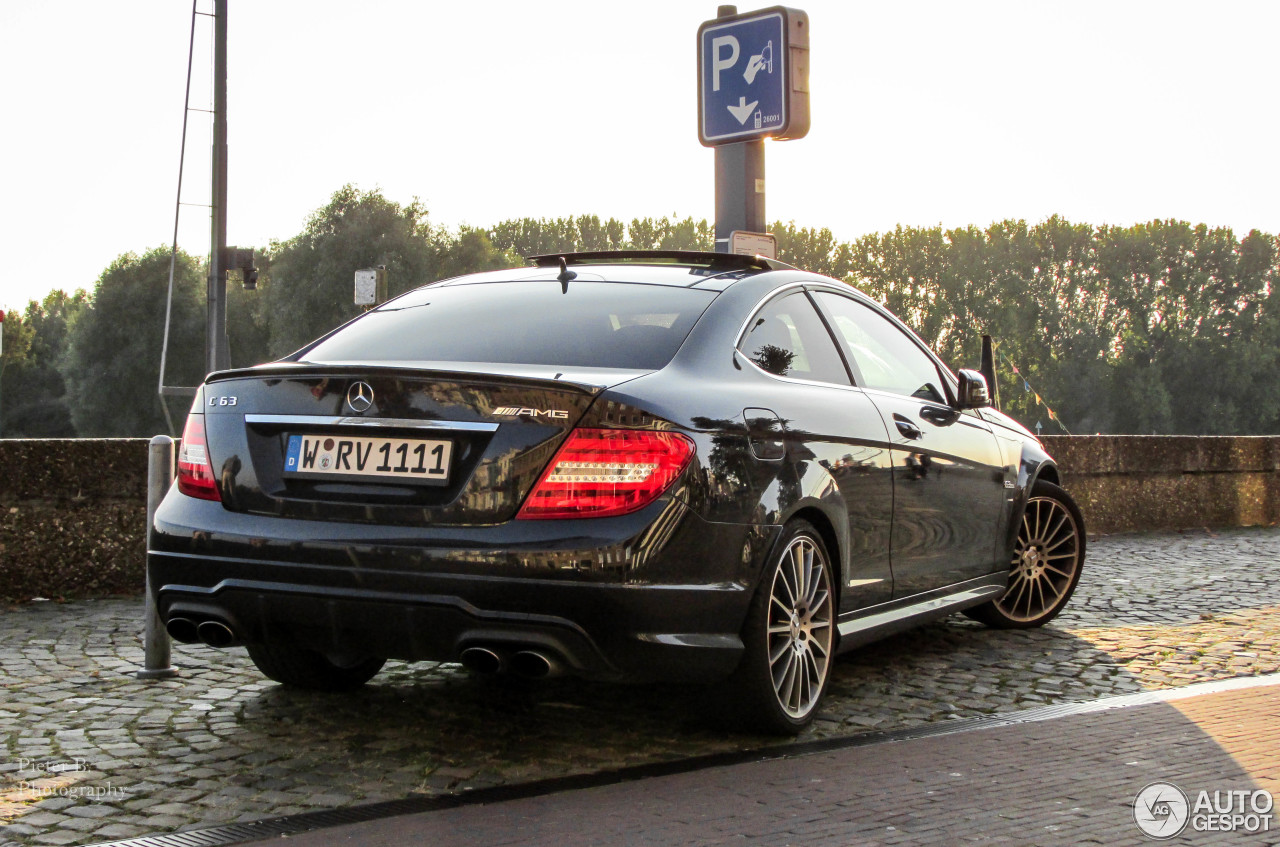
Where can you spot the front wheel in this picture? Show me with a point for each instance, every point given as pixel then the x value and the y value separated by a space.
pixel 1047 559
pixel 789 637
pixel 302 668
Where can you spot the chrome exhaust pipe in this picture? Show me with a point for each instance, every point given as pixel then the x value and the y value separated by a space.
pixel 182 630
pixel 535 665
pixel 482 660
pixel 216 634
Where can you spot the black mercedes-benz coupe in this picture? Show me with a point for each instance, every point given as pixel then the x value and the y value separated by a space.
pixel 667 465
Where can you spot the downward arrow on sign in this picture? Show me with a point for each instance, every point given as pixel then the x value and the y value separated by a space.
pixel 743 110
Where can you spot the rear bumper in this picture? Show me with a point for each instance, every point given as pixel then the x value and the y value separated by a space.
pixel 609 602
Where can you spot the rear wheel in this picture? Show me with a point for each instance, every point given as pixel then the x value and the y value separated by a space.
pixel 1047 559
pixel 789 637
pixel 302 668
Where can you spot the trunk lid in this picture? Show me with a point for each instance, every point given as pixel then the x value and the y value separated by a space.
pixel 407 445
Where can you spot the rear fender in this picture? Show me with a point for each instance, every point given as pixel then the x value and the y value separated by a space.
pixel 803 488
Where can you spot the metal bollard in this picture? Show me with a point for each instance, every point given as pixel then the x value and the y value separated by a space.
pixel 156 640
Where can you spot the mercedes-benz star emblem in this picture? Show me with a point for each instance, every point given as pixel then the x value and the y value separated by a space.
pixel 360 397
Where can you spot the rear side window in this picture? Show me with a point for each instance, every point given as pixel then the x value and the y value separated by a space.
pixel 787 338
pixel 535 322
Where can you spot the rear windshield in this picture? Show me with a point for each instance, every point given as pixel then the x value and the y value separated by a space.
pixel 593 324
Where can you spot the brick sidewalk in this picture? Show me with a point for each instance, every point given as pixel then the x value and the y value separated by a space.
pixel 1070 780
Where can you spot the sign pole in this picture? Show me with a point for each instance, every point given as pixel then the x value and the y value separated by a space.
pixel 739 191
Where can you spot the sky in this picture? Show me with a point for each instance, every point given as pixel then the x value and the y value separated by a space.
pixel 925 113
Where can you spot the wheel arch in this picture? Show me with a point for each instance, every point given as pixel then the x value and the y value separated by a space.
pixel 821 522
pixel 1049 473
pixel 1035 464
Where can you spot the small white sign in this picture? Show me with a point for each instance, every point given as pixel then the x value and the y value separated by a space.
pixel 753 244
pixel 367 286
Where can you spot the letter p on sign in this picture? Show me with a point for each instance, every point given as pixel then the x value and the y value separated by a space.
pixel 719 64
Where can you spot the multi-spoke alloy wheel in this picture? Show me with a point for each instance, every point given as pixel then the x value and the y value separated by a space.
pixel 1046 560
pixel 800 627
pixel 1046 563
pixel 789 636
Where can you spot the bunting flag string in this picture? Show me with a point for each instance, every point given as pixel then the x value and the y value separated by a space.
pixel 1027 389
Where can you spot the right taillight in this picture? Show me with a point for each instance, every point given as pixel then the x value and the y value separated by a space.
pixel 195 474
pixel 602 472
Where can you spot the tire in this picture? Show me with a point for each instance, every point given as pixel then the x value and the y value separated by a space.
pixel 789 638
pixel 302 668
pixel 1048 557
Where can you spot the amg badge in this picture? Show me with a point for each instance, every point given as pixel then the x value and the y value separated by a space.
pixel 512 411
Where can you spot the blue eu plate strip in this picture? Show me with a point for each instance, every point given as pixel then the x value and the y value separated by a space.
pixel 295 451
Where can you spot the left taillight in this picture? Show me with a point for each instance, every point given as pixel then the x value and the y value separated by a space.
pixel 195 474
pixel 603 472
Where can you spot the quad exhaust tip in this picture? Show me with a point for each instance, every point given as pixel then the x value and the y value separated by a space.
pixel 531 664
pixel 210 632
pixel 182 630
pixel 216 634
pixel 483 660
pixel 534 665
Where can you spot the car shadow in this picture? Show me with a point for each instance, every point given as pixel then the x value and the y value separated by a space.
pixel 438 728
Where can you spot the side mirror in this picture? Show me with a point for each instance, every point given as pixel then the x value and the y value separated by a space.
pixel 973 390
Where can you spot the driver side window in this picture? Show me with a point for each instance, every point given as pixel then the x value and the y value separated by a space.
pixel 889 360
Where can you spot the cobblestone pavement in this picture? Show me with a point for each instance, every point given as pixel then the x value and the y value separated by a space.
pixel 91 754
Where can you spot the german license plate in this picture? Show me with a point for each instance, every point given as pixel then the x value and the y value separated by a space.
pixel 417 459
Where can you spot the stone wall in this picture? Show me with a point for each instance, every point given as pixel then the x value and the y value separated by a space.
pixel 1145 482
pixel 72 511
pixel 72 514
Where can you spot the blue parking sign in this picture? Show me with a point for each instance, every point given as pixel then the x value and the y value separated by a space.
pixel 753 76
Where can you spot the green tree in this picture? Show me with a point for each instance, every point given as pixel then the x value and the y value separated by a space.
pixel 1159 327
pixel 670 234
pixel 814 250
pixel 538 236
pixel 308 290
pixel 471 251
pixel 15 344
pixel 35 403
pixel 112 362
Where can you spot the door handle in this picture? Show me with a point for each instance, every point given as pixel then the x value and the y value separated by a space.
pixel 907 428
pixel 939 415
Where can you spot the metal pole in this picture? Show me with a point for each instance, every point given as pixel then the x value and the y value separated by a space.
pixel 216 347
pixel 155 640
pixel 739 190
